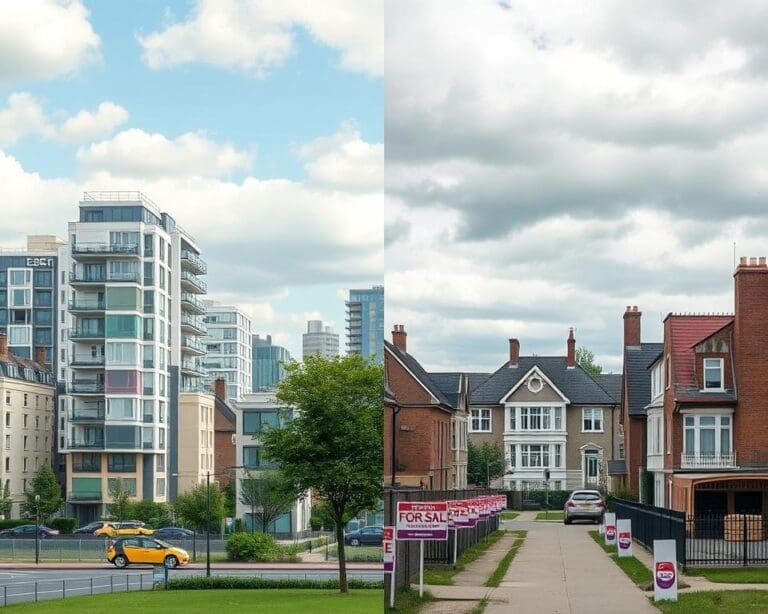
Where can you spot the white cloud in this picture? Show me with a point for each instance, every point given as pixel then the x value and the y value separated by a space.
pixel 87 126
pixel 23 116
pixel 345 160
pixel 43 39
pixel 256 36
pixel 136 153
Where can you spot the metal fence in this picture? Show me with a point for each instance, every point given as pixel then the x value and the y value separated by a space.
pixel 650 523
pixel 730 540
pixel 41 590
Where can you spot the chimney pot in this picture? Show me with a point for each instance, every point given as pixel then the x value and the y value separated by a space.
pixel 632 320
pixel 743 261
pixel 571 358
pixel 753 261
pixel 761 261
pixel 514 352
pixel 399 337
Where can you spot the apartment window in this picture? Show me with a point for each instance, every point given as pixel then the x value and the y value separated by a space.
pixel 7 442
pixel 148 244
pixel 253 458
pixel 121 409
pixel 534 455
pixel 513 454
pixel 7 463
pixel 657 379
pixel 26 441
pixel 7 397
pixel 480 421
pixel 257 421
pixel 7 418
pixel 713 374
pixel 122 354
pixel 130 484
pixel 160 483
pixel 592 420
pixel 20 277
pixel 540 418
pixel 707 435
pixel 26 416
pixel 655 434
pixel 25 464
pixel 160 462
pixel 121 463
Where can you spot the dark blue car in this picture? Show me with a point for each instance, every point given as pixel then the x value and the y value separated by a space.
pixel 367 536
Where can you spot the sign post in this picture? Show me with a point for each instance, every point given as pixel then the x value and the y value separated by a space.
pixel 624 539
pixel 664 570
pixel 610 529
pixel 420 520
pixel 388 546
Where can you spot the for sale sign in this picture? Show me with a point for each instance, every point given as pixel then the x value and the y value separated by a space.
pixel 483 505
pixel 610 529
pixel 388 546
pixel 474 512
pixel 461 514
pixel 664 570
pixel 624 536
pixel 418 520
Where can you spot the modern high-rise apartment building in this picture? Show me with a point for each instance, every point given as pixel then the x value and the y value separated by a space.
pixel 268 363
pixel 365 322
pixel 133 360
pixel 228 347
pixel 320 339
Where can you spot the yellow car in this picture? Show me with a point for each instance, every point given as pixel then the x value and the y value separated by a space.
pixel 147 550
pixel 119 529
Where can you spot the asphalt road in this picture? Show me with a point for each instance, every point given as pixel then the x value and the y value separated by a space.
pixel 40 584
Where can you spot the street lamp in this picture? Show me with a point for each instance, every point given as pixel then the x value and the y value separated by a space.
pixel 37 529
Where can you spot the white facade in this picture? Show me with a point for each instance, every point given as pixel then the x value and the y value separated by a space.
pixel 320 339
pixel 228 348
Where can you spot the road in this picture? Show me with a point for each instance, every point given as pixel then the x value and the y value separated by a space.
pixel 17 586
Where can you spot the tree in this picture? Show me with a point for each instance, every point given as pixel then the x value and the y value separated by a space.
pixel 268 494
pixel 586 360
pixel 484 462
pixel 44 484
pixel 333 445
pixel 121 498
pixel 230 497
pixel 192 507
pixel 155 515
pixel 5 502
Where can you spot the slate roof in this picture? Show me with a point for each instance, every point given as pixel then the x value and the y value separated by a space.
pixel 477 379
pixel 418 371
pixel 448 384
pixel 576 384
pixel 16 368
pixel 225 410
pixel 611 383
pixel 692 394
pixel 637 359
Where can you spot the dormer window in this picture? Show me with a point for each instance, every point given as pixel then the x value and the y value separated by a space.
pixel 713 374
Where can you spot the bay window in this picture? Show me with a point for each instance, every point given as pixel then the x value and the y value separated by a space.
pixel 538 455
pixel 536 418
pixel 707 436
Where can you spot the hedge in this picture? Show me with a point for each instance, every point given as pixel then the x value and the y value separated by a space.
pixel 235 582
pixel 14 522
pixel 64 525
pixel 557 498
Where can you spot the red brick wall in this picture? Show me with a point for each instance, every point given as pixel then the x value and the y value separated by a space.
pixel 727 371
pixel 224 451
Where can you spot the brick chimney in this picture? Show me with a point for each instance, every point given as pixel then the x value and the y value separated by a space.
pixel 3 346
pixel 571 358
pixel 632 326
pixel 220 388
pixel 750 340
pixel 399 337
pixel 40 356
pixel 514 352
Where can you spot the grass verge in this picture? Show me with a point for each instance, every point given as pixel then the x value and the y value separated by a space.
pixel 371 554
pixel 509 515
pixel 407 601
pixel 190 602
pixel 480 607
pixel 445 576
pixel 550 515
pixel 501 570
pixel 716 602
pixel 742 575
pixel 637 572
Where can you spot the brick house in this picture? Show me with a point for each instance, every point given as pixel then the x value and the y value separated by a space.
pixel 706 436
pixel 224 428
pixel 429 445
pixel 548 412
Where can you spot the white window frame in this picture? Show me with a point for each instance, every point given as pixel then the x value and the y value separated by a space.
pixel 13 328
pixel 696 428
pixel 478 414
pixel 704 368
pixel 657 380
pixel 520 415
pixel 593 412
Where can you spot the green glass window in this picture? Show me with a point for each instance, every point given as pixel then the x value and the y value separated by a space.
pixel 86 488
pixel 130 484
pixel 124 299
pixel 123 327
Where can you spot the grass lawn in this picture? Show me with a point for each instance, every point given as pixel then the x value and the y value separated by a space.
pixel 509 515
pixel 358 553
pixel 717 602
pixel 637 572
pixel 740 575
pixel 550 515
pixel 268 601
pixel 445 576
pixel 501 570
pixel 407 601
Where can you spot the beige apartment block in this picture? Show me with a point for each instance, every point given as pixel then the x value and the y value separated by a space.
pixel 26 428
pixel 196 438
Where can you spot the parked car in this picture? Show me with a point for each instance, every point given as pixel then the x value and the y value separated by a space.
pixel 28 530
pixel 173 533
pixel 90 528
pixel 118 529
pixel 584 505
pixel 367 536
pixel 126 551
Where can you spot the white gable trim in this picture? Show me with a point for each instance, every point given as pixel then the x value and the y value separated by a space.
pixel 525 377
pixel 416 379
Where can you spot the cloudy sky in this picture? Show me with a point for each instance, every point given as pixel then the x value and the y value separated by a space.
pixel 258 125
pixel 549 163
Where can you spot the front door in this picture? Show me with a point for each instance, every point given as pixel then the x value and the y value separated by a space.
pixel 591 468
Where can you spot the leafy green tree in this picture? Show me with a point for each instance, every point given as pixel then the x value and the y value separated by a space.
pixel 121 498
pixel 5 502
pixel 268 494
pixel 484 463
pixel 44 484
pixel 155 515
pixel 333 445
pixel 586 360
pixel 230 496
pixel 192 507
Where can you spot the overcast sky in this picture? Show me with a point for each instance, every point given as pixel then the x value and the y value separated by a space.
pixel 257 124
pixel 549 163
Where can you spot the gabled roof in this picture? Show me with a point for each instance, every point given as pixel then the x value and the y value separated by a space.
pixel 575 383
pixel 637 359
pixel 611 383
pixel 685 332
pixel 448 384
pixel 225 410
pixel 413 365
pixel 477 379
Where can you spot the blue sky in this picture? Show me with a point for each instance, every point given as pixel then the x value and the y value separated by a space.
pixel 310 95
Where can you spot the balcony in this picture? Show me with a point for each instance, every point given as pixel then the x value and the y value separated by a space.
pixel 193 262
pixel 87 414
pixel 87 361
pixel 86 251
pixel 191 304
pixel 92 306
pixel 708 461
pixel 192 346
pixel 81 444
pixel 86 333
pixel 192 325
pixel 85 387
pixel 84 496
pixel 192 369
pixel 99 279
pixel 193 283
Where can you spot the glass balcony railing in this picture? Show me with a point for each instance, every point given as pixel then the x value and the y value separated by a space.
pixel 85 387
pixel 192 344
pixel 194 262
pixel 85 305
pixel 85 444
pixel 195 323
pixel 86 333
pixel 100 278
pixel 87 360
pixel 188 300
pixel 84 496
pixel 193 280
pixel 105 249
pixel 87 414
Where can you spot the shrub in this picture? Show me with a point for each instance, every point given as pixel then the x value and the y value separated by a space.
pixel 252 547
pixel 557 498
pixel 14 522
pixel 236 582
pixel 64 525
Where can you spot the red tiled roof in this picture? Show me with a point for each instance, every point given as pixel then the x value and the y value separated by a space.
pixel 685 332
